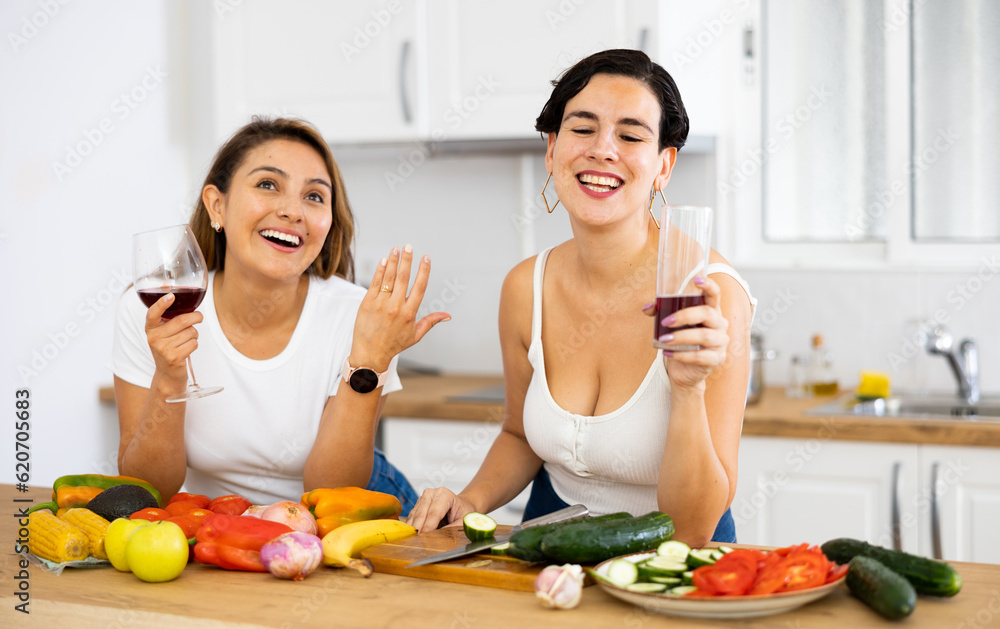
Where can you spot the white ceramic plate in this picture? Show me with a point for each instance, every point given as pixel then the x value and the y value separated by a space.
pixel 721 607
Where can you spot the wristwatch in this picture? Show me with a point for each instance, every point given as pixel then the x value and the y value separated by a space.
pixel 362 379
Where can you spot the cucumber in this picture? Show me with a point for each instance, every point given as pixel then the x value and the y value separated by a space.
pixel 646 588
pixel 526 544
pixel 682 590
pixel 500 549
pixel 674 549
pixel 478 526
pixel 927 576
pixel 622 572
pixel 880 588
pixel 591 542
pixel 701 557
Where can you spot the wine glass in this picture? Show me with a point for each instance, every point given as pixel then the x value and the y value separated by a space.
pixel 169 260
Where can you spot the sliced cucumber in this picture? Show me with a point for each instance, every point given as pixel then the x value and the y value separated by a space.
pixel 702 557
pixel 665 567
pixel 622 572
pixel 687 578
pixel 674 549
pixel 500 549
pixel 478 526
pixel 646 588
pixel 668 581
pixel 682 590
pixel 724 549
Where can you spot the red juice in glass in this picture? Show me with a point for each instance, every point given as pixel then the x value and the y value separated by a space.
pixel 685 243
pixel 666 306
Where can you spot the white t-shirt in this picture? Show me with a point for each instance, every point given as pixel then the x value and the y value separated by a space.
pixel 253 438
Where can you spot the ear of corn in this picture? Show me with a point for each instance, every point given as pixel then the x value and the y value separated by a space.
pixel 51 538
pixel 93 526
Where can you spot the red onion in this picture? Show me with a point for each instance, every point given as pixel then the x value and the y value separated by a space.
pixel 292 555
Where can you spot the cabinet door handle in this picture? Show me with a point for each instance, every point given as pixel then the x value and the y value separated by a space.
pixel 935 513
pixel 897 529
pixel 643 39
pixel 404 62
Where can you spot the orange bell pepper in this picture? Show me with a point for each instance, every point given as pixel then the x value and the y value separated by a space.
pixel 343 505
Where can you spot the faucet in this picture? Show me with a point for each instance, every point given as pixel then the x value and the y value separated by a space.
pixel 964 362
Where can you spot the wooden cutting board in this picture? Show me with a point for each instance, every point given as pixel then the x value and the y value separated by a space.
pixel 498 571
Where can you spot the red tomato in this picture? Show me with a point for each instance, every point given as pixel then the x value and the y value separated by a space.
pixel 199 499
pixel 769 580
pixel 732 578
pixel 229 505
pixel 150 513
pixel 180 507
pixel 189 526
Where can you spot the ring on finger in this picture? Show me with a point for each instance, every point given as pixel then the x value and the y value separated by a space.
pixel 386 289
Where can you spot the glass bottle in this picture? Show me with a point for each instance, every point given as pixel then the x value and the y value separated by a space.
pixel 821 379
pixel 797 385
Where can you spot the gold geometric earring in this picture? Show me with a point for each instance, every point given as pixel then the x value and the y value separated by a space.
pixel 546 201
pixel 652 195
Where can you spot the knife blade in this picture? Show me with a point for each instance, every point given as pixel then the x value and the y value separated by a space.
pixel 568 513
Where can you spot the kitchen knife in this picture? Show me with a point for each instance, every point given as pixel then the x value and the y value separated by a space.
pixel 568 513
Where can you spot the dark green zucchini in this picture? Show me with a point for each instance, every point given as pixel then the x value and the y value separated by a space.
pixel 589 542
pixel 935 578
pixel 880 588
pixel 526 544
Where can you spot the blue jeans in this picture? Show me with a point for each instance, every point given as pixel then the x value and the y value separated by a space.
pixel 543 499
pixel 388 480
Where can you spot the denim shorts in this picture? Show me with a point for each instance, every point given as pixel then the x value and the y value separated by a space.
pixel 389 480
pixel 543 499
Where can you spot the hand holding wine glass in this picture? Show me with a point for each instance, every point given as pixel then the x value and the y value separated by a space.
pixel 169 261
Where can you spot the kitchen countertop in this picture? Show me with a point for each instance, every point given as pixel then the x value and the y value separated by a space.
pixel 205 596
pixel 427 397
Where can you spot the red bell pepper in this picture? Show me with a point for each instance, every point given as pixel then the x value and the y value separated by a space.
pixel 234 542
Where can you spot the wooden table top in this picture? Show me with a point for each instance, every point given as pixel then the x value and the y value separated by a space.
pixel 205 596
pixel 775 415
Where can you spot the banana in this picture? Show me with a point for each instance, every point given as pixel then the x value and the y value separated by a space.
pixel 344 542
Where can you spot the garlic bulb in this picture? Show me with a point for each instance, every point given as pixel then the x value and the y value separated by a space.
pixel 560 587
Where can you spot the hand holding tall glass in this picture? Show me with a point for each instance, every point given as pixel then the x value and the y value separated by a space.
pixel 169 260
pixel 685 242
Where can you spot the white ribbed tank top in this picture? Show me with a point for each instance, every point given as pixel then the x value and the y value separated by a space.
pixel 607 462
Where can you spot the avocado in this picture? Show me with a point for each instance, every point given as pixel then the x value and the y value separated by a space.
pixel 121 501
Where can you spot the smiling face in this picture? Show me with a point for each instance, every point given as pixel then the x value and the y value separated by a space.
pixel 605 159
pixel 277 212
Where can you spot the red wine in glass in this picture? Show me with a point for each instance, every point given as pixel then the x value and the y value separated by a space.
pixel 668 305
pixel 186 299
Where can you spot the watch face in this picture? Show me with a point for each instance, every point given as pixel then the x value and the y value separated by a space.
pixel 364 380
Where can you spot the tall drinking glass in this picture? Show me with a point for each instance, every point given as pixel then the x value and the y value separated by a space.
pixel 685 241
pixel 169 260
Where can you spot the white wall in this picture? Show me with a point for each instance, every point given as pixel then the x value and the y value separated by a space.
pixel 65 240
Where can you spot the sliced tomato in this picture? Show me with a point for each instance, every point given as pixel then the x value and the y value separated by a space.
pixel 769 580
pixel 804 569
pixel 731 579
pixel 836 572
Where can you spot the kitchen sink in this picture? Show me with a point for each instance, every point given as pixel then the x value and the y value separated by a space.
pixel 920 406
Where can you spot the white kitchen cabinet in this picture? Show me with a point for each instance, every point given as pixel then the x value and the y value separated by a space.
pixel 354 69
pixel 810 490
pixel 491 64
pixel 444 453
pixel 396 71
pixel 967 483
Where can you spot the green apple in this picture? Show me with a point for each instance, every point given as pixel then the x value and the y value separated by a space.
pixel 158 552
pixel 116 538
